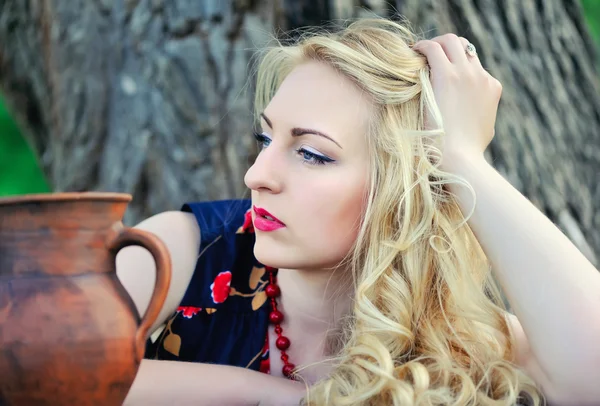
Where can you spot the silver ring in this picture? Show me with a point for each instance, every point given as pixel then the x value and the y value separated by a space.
pixel 471 50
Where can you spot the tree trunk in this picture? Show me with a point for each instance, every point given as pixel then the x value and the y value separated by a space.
pixel 152 97
pixel 138 96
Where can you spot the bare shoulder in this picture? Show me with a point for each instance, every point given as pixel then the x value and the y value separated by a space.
pixel 180 233
pixel 169 224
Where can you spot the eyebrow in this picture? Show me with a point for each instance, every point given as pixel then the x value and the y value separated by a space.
pixel 297 132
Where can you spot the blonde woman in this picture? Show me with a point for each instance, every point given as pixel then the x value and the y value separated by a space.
pixel 359 272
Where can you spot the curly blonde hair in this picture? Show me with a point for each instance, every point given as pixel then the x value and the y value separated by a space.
pixel 428 325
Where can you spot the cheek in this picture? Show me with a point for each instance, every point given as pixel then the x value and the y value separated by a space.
pixel 347 217
pixel 338 211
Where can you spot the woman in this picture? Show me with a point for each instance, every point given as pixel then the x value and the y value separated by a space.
pixel 375 289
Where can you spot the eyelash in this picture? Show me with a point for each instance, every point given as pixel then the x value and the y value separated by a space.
pixel 310 158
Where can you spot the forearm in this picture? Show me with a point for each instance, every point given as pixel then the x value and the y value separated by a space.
pixel 184 383
pixel 553 289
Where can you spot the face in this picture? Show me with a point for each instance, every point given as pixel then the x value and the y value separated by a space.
pixel 312 172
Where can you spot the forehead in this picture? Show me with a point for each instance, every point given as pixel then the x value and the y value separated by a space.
pixel 314 95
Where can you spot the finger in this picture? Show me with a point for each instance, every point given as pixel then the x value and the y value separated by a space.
pixel 433 51
pixel 453 48
pixel 473 59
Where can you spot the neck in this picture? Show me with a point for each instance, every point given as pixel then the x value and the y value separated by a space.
pixel 315 300
pixel 314 303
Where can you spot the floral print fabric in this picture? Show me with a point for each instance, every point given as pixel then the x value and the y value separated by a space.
pixel 223 316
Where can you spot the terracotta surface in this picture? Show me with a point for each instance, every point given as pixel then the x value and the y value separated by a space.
pixel 69 332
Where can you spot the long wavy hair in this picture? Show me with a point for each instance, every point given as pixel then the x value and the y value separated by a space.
pixel 428 324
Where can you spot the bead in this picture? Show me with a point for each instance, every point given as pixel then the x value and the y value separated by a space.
pixel 283 343
pixel 272 290
pixel 288 369
pixel 276 317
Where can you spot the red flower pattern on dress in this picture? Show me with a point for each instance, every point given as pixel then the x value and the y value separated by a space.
pixel 220 288
pixel 248 226
pixel 188 311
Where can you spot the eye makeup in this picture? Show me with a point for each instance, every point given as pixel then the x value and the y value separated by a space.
pixel 309 157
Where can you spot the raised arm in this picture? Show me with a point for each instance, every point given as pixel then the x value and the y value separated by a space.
pixel 553 289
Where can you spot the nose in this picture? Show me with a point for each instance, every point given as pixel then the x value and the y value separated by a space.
pixel 266 172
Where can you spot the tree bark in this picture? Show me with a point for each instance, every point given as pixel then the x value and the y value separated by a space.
pixel 140 96
pixel 153 98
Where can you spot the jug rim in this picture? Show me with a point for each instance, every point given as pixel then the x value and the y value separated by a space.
pixel 66 196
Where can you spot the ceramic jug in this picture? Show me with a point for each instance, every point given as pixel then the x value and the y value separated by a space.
pixel 69 332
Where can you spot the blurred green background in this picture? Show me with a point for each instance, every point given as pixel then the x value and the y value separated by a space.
pixel 20 171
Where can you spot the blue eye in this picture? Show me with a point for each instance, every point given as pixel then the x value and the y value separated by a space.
pixel 308 157
pixel 313 159
pixel 262 140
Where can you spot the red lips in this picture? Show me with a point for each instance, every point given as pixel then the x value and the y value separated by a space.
pixel 265 221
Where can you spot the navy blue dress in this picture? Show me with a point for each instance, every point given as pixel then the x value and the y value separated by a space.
pixel 223 316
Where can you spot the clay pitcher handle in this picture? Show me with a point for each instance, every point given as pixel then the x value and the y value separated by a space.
pixel 123 237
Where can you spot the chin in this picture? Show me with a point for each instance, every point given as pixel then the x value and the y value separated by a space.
pixel 276 256
pixel 269 258
pixel 288 257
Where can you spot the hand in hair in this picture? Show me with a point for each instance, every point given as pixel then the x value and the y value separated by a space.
pixel 550 285
pixel 465 92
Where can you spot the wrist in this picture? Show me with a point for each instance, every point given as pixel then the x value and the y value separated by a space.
pixel 463 163
pixel 468 167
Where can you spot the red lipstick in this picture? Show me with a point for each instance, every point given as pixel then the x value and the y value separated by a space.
pixel 265 221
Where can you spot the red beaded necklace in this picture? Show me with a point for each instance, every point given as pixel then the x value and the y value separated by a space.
pixel 276 317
